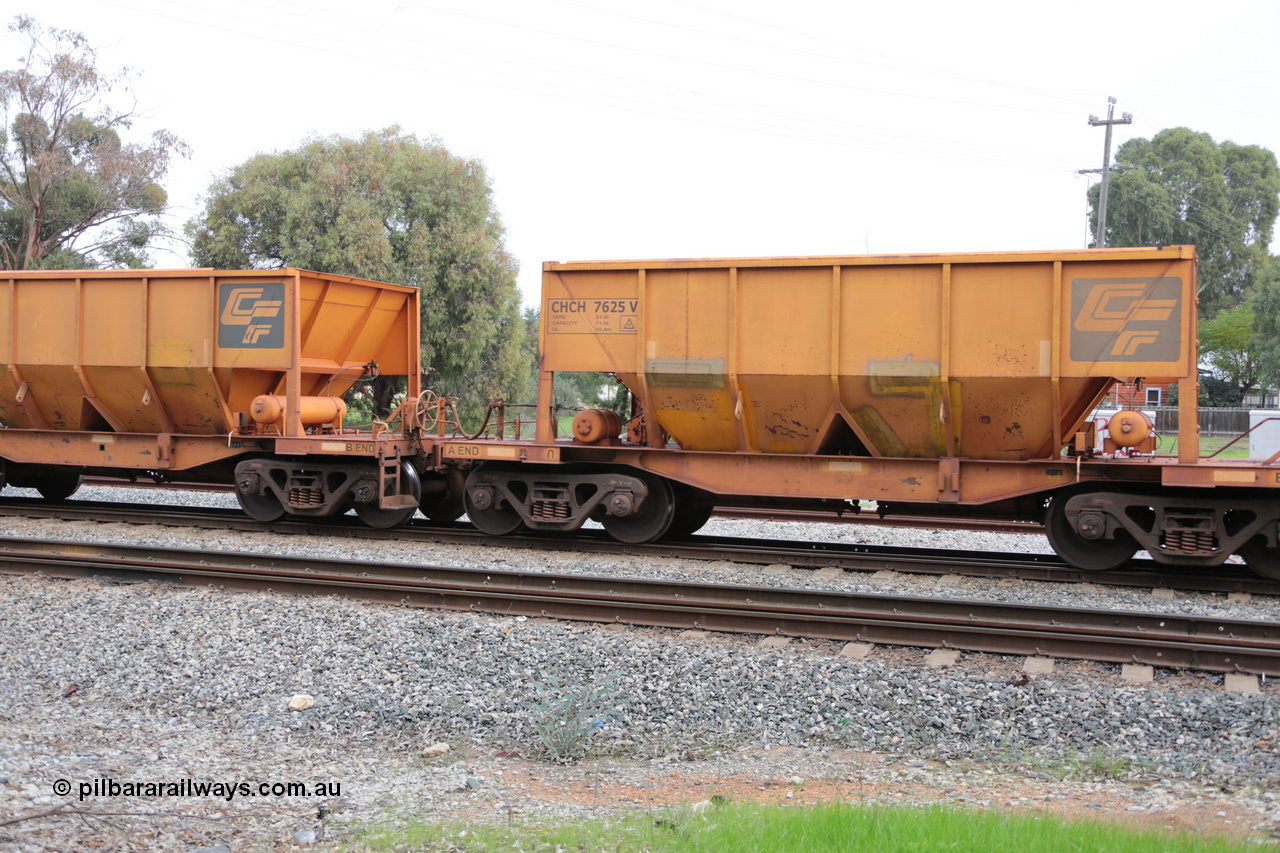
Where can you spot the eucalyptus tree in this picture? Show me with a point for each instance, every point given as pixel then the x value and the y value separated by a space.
pixel 390 207
pixel 73 192
pixel 1183 187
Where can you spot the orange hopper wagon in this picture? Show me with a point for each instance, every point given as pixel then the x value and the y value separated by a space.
pixel 206 376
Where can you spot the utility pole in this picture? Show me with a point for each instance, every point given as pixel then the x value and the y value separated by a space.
pixel 1106 170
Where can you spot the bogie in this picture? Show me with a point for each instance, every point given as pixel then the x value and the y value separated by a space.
pixel 1094 528
pixel 634 506
pixel 268 489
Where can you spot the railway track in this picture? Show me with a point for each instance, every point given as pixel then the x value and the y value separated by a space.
pixel 1141 573
pixel 920 522
pixel 992 627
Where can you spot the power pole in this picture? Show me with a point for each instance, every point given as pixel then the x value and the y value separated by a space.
pixel 1106 170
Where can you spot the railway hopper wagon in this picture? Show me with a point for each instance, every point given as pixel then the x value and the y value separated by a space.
pixel 946 385
pixel 212 377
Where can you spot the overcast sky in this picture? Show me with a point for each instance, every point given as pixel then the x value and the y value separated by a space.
pixel 705 128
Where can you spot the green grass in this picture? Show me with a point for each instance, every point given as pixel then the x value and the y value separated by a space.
pixel 1092 767
pixel 832 827
pixel 1208 444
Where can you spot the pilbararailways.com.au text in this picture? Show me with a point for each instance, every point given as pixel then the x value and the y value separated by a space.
pixel 191 788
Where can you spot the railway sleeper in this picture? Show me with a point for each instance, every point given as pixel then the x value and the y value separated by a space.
pixel 1187 529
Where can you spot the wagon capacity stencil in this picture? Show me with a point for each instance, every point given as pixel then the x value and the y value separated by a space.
pixel 592 316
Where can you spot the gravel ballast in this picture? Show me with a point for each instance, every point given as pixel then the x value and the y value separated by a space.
pixel 149 681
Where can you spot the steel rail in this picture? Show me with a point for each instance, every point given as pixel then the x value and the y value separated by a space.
pixel 1143 573
pixel 981 626
pixel 918 522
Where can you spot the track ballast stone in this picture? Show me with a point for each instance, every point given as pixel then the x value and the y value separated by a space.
pixel 147 680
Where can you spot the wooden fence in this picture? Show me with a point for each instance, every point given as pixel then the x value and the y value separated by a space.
pixel 1230 422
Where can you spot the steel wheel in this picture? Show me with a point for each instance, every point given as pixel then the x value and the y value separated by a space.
pixel 693 510
pixel 58 487
pixel 492 519
pixel 382 519
pixel 652 521
pixel 260 507
pixel 1261 559
pixel 1090 555
pixel 448 505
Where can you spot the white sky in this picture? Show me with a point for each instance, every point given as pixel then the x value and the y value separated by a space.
pixel 705 128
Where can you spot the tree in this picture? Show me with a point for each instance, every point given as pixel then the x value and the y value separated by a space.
pixel 1229 343
pixel 388 207
pixel 1266 323
pixel 1182 187
pixel 72 193
pixel 1213 393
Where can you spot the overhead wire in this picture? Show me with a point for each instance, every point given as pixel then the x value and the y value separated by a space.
pixel 751 117
pixel 1073 97
pixel 736 68
pixel 699 107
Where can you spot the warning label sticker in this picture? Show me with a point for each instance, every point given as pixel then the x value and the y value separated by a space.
pixel 592 316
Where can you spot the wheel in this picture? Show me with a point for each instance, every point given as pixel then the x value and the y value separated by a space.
pixel 1263 560
pixel 1090 555
pixel 58 487
pixel 383 519
pixel 260 507
pixel 652 521
pixel 486 509
pixel 693 510
pixel 490 518
pixel 447 505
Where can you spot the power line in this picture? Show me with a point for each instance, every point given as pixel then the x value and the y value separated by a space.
pixel 644 97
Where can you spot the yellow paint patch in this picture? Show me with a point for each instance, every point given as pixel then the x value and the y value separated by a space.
pixel 1235 476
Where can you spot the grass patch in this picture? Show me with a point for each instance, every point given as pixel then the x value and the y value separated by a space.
pixel 568 714
pixel 831 827
pixel 1208 444
pixel 1098 765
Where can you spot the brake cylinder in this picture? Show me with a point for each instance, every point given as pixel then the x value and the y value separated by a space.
pixel 1129 428
pixel 268 409
pixel 591 426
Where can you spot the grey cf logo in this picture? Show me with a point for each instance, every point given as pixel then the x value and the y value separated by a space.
pixel 252 316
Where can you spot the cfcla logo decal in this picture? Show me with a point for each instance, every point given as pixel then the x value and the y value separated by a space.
pixel 1109 307
pixel 1112 307
pixel 251 316
pixel 1129 319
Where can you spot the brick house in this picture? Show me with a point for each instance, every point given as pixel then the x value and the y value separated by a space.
pixel 1129 396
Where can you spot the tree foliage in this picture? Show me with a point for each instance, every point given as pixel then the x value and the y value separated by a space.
pixel 1228 343
pixel 1182 187
pixel 1213 393
pixel 1266 323
pixel 72 192
pixel 389 207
